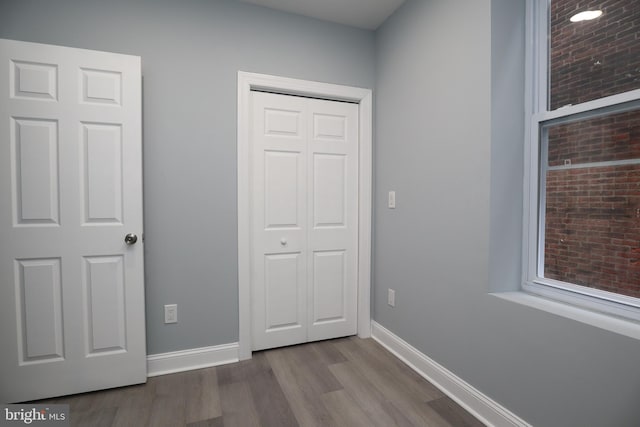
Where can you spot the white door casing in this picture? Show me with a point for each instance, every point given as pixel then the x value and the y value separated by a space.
pixel 363 97
pixel 71 290
pixel 304 219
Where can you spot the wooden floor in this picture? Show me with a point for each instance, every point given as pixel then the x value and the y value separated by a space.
pixel 346 382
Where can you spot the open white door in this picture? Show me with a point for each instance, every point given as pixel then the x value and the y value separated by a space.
pixel 304 219
pixel 71 288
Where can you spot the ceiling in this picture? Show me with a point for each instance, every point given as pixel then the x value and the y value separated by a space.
pixel 365 14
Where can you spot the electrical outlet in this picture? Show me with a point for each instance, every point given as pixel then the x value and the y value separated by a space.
pixel 171 313
pixel 391 298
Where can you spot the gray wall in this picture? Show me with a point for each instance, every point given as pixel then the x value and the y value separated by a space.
pixel 449 132
pixel 191 51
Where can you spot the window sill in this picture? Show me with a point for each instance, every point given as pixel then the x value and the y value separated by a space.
pixel 610 323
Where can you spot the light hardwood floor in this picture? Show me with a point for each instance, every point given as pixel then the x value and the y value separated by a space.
pixel 346 382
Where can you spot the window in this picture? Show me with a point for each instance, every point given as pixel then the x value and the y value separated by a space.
pixel 583 232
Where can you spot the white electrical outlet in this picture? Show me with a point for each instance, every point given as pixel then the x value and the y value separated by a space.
pixel 392 199
pixel 391 298
pixel 171 313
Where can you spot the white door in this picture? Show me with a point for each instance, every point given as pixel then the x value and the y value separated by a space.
pixel 71 290
pixel 304 219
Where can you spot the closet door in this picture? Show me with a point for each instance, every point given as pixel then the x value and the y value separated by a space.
pixel 279 218
pixel 332 224
pixel 304 219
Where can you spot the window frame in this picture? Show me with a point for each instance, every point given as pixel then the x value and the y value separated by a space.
pixel 537 113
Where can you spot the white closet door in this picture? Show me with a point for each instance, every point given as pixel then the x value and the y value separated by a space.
pixel 71 292
pixel 279 215
pixel 304 217
pixel 332 220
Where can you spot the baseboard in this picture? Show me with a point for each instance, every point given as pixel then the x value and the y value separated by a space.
pixel 186 360
pixel 481 406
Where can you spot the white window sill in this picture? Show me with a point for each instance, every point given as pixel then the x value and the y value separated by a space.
pixel 610 323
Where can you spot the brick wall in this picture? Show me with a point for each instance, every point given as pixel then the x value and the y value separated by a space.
pixel 592 235
pixel 596 58
pixel 601 139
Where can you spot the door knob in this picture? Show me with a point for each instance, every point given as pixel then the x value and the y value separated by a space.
pixel 130 239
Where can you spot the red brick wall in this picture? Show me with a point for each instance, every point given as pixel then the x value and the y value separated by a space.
pixel 601 139
pixel 592 235
pixel 596 58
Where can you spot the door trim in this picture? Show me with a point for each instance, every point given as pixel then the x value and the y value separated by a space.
pixel 288 86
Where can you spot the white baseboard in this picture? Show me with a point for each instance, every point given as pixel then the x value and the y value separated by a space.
pixel 478 404
pixel 196 358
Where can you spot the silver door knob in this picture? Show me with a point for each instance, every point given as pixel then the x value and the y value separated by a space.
pixel 130 239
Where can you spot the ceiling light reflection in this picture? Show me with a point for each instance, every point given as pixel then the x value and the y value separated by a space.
pixel 587 15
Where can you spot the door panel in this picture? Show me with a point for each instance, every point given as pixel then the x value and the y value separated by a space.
pixel 34 144
pixel 105 309
pixel 304 216
pixel 329 190
pixel 329 286
pixel 71 290
pixel 102 172
pixel 279 212
pixel 329 127
pixel 333 227
pixel 281 291
pixel 281 176
pixel 40 310
pixel 101 86
pixel 282 122
pixel 33 80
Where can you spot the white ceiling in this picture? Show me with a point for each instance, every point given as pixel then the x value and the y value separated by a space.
pixel 366 14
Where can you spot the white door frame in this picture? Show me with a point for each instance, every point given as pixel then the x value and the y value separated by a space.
pixel 288 86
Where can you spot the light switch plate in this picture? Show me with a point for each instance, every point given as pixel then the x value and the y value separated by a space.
pixel 391 298
pixel 392 199
pixel 171 313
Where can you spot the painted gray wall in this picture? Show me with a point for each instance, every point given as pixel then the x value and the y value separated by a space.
pixel 449 132
pixel 191 51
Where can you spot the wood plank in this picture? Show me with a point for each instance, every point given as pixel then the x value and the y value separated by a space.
pixel 393 372
pixel 297 388
pixel 167 411
pixel 135 407
pixel 270 402
pixel 344 410
pixel 95 418
pixel 238 409
pixel 397 367
pixel 169 385
pixel 381 411
pixel 409 400
pixel 214 422
pixel 454 413
pixel 202 397
pixel 243 370
pixel 309 364
pixel 327 352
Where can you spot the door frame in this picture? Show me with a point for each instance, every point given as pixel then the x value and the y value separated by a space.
pixel 288 86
